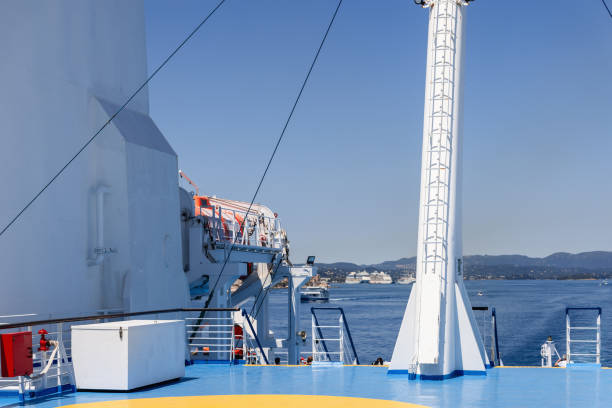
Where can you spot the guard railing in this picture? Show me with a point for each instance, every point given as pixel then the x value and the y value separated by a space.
pixel 233 226
pixel 582 336
pixel 210 334
pixel 331 337
pixel 486 319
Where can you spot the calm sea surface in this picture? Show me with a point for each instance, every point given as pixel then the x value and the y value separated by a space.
pixel 527 312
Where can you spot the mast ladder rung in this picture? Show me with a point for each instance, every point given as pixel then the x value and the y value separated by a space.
pixel 436 221
pixel 442 78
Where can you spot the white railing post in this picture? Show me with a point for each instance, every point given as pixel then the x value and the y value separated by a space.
pixel 567 337
pixel 232 344
pixel 270 235
pixel 234 227
pixel 217 221
pixel 313 339
pixel 341 339
pixel 245 231
pixel 598 355
pixel 492 358
pixel 221 226
pixel 60 342
pixel 245 349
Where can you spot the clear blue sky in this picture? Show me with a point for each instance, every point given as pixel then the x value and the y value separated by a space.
pixel 537 134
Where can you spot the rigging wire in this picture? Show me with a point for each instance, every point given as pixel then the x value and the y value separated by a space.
pixel 263 176
pixel 607 8
pixel 132 96
pixel 267 290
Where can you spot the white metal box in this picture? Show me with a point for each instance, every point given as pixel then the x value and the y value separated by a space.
pixel 129 354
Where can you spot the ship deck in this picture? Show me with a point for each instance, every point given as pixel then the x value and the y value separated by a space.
pixel 366 386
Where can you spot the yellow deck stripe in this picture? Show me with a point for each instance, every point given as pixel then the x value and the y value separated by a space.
pixel 250 401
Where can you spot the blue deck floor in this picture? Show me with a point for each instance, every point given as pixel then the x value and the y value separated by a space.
pixel 502 387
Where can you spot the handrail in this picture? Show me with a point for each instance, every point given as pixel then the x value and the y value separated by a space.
pixel 348 331
pixel 113 316
pixel 245 314
pixel 494 316
pixel 495 340
pixel 569 328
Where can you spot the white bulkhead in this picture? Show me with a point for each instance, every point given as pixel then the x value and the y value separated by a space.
pixel 67 67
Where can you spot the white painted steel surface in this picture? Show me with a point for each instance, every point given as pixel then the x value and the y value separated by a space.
pixel 106 234
pixel 129 354
pixel 72 64
pixel 439 336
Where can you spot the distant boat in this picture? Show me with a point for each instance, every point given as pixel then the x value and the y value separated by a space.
pixel 357 277
pixel 351 278
pixel 315 294
pixel 604 282
pixel 480 293
pixel 406 280
pixel 380 278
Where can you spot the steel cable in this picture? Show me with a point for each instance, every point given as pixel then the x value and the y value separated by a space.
pixel 278 142
pixel 607 8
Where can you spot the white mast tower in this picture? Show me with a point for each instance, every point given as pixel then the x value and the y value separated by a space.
pixel 438 337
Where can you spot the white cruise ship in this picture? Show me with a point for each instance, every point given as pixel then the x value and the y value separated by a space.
pixel 357 277
pixel 351 278
pixel 380 278
pixel 406 280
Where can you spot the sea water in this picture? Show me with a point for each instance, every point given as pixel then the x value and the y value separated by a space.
pixel 528 311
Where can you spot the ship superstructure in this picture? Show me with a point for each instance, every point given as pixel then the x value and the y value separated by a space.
pixel 106 233
pixel 115 233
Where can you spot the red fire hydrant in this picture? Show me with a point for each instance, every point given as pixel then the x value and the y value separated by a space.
pixel 44 343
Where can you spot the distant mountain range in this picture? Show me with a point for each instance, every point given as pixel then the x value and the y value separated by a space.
pixel 560 265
